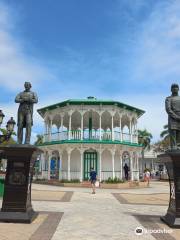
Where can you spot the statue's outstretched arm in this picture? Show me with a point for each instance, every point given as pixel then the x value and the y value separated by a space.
pixel 169 109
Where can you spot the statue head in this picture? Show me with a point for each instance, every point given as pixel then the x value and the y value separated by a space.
pixel 27 86
pixel 174 88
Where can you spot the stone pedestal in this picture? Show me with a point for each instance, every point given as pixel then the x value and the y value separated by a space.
pixel 171 159
pixel 16 206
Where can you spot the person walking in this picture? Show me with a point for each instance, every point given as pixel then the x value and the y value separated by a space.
pixel 147 176
pixel 126 169
pixel 93 178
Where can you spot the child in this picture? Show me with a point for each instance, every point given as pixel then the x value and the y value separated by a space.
pixel 93 176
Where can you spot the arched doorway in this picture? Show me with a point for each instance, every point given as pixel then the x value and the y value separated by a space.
pixel 54 166
pixel 126 160
pixel 90 161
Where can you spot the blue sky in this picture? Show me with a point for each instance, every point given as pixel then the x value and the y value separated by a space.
pixel 126 50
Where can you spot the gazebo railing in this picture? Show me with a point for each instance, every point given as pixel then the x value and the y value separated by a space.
pixel 73 174
pixel 90 135
pixel 109 174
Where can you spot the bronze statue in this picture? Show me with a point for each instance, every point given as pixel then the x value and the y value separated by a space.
pixel 25 112
pixel 173 109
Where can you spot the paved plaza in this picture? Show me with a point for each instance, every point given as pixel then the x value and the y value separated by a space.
pixel 76 214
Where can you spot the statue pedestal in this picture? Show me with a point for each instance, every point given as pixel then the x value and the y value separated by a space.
pixel 171 159
pixel 16 206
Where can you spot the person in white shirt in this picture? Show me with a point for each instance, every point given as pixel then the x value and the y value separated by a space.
pixel 147 176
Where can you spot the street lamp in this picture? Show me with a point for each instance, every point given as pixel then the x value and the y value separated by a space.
pixel 1 117
pixel 9 127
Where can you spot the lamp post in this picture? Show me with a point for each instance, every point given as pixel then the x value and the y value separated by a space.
pixel 9 127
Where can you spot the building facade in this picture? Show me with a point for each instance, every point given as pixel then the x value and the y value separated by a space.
pixel 153 163
pixel 85 133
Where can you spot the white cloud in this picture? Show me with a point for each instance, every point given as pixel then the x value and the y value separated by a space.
pixel 158 54
pixel 154 117
pixel 15 66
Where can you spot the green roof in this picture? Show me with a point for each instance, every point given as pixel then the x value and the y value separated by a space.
pixel 90 101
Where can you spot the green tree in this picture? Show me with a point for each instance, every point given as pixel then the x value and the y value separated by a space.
pixel 11 140
pixel 144 138
pixel 6 142
pixel 164 143
pixel 39 139
pixel 165 133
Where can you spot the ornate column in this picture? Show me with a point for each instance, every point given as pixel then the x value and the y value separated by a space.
pixel 113 154
pixel 58 133
pixel 136 133
pixel 100 137
pixel 60 165
pixel 130 130
pixel 50 130
pixel 69 163
pixel 120 127
pixel 45 131
pixel 131 166
pixel 82 121
pixel 62 119
pixel 69 132
pixel 42 164
pixel 49 165
pixel 61 127
pixel 81 165
pixel 112 127
pixel 137 166
pixel 100 164
pixel 121 166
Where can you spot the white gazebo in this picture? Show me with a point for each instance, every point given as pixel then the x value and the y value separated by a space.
pixel 84 133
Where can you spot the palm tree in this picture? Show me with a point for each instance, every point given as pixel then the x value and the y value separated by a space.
pixel 164 143
pixel 165 133
pixel 39 139
pixel 144 138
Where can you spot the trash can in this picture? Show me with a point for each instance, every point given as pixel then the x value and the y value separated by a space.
pixel 1 186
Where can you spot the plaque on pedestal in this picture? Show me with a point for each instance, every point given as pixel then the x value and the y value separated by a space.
pixel 16 206
pixel 171 159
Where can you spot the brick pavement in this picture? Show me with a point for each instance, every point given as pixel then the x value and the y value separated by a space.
pixel 74 213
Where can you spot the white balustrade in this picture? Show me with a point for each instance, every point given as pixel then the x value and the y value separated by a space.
pixel 126 137
pixel 117 136
pixel 118 174
pixel 106 174
pixel 44 174
pixel 75 174
pixel 90 135
pixel 63 174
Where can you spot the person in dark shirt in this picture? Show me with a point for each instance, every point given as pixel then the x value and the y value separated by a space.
pixel 126 169
pixel 93 177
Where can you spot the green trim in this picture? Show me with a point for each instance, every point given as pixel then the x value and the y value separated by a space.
pixel 91 141
pixel 90 101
